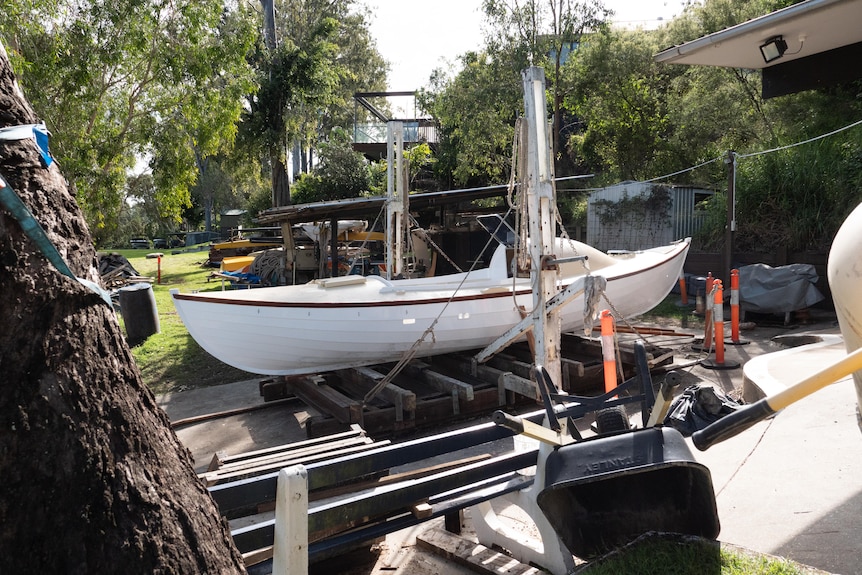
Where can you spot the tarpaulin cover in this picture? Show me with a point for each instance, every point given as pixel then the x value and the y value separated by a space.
pixel 698 406
pixel 766 289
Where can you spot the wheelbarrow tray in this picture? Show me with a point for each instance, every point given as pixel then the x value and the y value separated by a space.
pixel 604 492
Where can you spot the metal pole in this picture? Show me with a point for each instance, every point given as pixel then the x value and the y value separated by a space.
pixel 731 214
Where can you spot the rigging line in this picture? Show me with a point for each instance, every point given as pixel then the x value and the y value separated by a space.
pixel 689 169
pixel 808 141
pixel 700 165
pixel 408 355
pixel 433 244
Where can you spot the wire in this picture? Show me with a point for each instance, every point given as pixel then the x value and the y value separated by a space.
pixel 808 141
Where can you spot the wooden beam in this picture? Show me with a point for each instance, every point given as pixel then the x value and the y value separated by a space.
pixel 225 476
pixel 314 391
pixel 366 378
pixel 503 379
pixel 439 380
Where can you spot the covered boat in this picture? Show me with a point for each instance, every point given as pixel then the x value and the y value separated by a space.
pixel 351 321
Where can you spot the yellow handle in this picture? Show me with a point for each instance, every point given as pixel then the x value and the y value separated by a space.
pixel 838 370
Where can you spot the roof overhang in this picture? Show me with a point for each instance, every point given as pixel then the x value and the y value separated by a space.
pixel 358 207
pixel 809 28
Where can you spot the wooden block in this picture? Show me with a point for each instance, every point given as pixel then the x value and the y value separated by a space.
pixel 422 510
pixel 474 556
pixel 217 460
pixel 257 556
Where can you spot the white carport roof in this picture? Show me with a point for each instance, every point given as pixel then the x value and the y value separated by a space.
pixel 809 28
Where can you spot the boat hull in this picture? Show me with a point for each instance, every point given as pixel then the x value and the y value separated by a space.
pixel 356 321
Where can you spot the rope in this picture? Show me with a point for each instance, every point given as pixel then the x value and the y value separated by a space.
pixel 808 141
pixel 433 245
pixel 269 266
pixel 409 354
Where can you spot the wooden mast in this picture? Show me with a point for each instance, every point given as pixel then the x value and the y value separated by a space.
pixel 541 206
pixel 396 198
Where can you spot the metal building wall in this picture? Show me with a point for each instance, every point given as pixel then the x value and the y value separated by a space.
pixel 641 231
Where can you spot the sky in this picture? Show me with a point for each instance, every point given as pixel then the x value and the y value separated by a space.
pixel 417 36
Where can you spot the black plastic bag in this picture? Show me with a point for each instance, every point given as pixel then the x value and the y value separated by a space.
pixel 698 406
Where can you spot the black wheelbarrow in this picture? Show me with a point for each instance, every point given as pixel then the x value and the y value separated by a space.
pixel 603 492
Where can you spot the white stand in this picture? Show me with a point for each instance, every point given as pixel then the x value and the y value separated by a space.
pixel 548 552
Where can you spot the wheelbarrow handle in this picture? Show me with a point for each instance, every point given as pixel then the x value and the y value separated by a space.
pixel 742 419
pixel 731 424
pixel 503 419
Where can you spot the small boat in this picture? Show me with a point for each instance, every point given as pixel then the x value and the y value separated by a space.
pixel 353 320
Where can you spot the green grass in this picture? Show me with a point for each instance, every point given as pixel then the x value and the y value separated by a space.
pixel 171 360
pixel 663 554
pixel 670 313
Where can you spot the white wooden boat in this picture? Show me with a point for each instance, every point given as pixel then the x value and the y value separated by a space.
pixel 352 321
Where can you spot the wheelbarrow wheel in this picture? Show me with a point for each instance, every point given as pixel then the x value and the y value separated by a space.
pixel 611 420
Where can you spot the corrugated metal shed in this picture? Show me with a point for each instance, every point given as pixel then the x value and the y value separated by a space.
pixel 640 215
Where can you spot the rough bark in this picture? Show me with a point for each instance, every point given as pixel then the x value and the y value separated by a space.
pixel 93 478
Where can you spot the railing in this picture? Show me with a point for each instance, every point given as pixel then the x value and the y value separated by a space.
pixel 414 132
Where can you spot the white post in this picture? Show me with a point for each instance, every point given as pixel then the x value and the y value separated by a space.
pixel 290 548
pixel 541 206
pixel 395 194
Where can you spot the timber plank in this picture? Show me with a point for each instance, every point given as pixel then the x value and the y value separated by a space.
pixel 272 465
pixel 355 431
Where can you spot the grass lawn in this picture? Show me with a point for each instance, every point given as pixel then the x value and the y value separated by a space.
pixel 669 554
pixel 171 360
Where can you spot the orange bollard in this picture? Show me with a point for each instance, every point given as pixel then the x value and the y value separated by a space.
pixel 608 356
pixel 682 292
pixel 707 315
pixel 718 322
pixel 159 275
pixel 734 310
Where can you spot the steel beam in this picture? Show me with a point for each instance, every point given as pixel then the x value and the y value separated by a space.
pixel 462 487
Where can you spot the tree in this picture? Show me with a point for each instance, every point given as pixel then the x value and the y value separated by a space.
pixel 94 479
pixel 476 111
pixel 617 92
pixel 548 32
pixel 120 80
pixel 342 172
pixel 289 78
pixel 362 68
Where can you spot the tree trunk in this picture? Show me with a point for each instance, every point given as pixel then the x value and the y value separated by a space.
pixel 280 182
pixel 93 478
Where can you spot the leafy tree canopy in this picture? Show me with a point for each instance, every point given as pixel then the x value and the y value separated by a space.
pixel 121 80
pixel 341 173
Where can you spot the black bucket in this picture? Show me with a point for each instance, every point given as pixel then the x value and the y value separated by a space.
pixel 138 306
pixel 604 492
